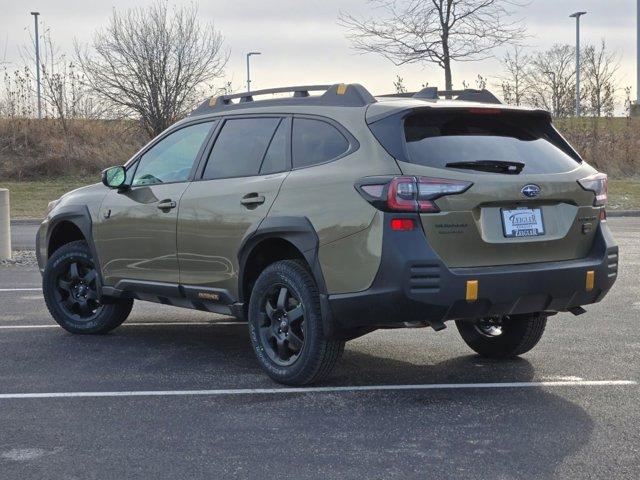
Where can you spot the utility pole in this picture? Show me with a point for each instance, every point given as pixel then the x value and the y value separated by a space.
pixel 577 16
pixel 248 70
pixel 35 18
pixel 638 54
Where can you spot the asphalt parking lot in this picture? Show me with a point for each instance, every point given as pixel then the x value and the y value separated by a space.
pixel 177 394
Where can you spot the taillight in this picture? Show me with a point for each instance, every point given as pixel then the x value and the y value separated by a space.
pixel 408 194
pixel 596 183
pixel 603 215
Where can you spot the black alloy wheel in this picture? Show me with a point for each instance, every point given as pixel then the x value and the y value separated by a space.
pixel 77 292
pixel 71 288
pixel 286 325
pixel 282 325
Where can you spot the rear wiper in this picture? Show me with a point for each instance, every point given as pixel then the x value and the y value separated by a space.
pixel 493 166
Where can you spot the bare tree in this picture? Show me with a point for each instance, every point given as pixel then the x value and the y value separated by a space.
pixel 514 83
pixel 600 69
pixel 399 86
pixel 552 80
pixel 435 31
pixel 64 94
pixel 154 62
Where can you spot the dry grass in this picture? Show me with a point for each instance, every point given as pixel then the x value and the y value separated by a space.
pixel 611 145
pixel 39 161
pixel 38 149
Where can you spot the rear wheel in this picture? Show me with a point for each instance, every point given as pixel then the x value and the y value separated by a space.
pixel 503 337
pixel 70 288
pixel 285 326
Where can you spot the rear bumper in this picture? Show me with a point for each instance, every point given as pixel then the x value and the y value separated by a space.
pixel 414 285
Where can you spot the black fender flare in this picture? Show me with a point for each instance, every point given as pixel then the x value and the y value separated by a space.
pixel 80 216
pixel 296 230
pixel 301 234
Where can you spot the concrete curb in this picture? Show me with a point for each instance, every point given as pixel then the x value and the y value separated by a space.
pixel 26 221
pixel 623 213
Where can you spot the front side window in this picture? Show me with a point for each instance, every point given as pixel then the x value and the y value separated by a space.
pixel 315 142
pixel 171 159
pixel 240 147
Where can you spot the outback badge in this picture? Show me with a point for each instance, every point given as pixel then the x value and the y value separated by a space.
pixel 531 190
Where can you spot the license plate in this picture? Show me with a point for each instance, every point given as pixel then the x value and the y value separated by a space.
pixel 522 222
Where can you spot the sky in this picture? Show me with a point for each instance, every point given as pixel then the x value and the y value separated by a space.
pixel 301 42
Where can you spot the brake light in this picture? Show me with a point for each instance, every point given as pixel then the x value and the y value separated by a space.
pixel 402 224
pixel 408 194
pixel 485 111
pixel 598 184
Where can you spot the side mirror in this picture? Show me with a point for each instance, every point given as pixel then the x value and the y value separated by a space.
pixel 114 177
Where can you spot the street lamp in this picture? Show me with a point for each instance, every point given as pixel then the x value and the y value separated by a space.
pixel 577 16
pixel 554 92
pixel 35 18
pixel 248 71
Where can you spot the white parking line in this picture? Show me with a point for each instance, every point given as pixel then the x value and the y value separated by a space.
pixel 346 389
pixel 132 324
pixel 38 289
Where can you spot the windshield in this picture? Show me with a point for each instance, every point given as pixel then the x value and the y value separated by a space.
pixel 440 139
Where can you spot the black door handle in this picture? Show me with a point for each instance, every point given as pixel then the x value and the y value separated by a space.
pixel 252 200
pixel 167 205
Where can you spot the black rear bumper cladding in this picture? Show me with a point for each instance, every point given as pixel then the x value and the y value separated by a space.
pixel 414 285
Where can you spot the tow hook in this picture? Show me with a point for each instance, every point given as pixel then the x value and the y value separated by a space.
pixel 437 325
pixel 577 310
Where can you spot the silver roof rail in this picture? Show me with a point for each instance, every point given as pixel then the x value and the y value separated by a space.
pixel 337 95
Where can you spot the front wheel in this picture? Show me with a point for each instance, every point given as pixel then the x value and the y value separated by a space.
pixel 285 326
pixel 70 289
pixel 503 337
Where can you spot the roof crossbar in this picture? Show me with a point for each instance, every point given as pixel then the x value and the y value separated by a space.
pixel 301 91
pixel 339 95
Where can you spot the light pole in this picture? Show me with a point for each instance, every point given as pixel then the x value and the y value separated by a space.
pixel 35 18
pixel 554 94
pixel 638 53
pixel 248 70
pixel 577 16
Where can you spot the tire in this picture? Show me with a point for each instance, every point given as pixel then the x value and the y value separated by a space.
pixel 69 285
pixel 517 335
pixel 285 326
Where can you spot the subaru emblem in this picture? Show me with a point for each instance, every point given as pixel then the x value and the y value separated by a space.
pixel 531 190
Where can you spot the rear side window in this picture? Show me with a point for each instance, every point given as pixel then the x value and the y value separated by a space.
pixel 315 141
pixel 240 147
pixel 442 138
pixel 276 159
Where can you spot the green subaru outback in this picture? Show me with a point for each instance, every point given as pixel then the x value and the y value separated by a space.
pixel 320 218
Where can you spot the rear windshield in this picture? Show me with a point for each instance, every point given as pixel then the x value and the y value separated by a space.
pixel 436 139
